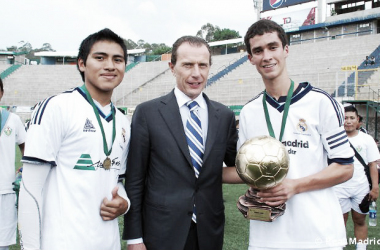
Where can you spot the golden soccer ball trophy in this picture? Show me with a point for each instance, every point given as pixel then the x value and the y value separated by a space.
pixel 262 162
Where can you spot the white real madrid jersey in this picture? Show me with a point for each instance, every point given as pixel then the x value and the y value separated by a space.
pixel 65 133
pixel 313 133
pixel 12 134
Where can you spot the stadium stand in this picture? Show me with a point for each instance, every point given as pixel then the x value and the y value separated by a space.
pixel 7 71
pixel 33 83
pixel 133 90
pixel 3 67
pixel 319 63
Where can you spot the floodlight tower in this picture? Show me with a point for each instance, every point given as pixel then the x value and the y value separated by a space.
pixel 258 6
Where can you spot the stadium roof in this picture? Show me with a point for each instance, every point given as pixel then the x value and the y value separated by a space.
pixel 75 53
pixel 13 53
pixel 230 41
pixel 57 54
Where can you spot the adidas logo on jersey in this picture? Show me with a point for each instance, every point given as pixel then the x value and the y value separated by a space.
pixel 88 126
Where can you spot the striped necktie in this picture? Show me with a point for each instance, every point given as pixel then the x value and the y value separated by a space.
pixel 195 141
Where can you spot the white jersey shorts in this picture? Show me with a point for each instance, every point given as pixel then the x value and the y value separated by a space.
pixel 8 219
pixel 350 198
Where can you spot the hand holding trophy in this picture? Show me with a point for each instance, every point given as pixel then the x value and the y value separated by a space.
pixel 262 162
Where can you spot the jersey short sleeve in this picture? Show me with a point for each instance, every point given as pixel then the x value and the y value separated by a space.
pixel 45 133
pixel 372 150
pixel 334 137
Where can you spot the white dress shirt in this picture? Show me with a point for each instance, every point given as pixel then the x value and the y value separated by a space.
pixel 182 99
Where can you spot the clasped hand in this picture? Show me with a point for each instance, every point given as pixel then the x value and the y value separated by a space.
pixel 278 195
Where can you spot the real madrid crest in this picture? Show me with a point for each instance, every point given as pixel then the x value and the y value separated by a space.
pixel 302 126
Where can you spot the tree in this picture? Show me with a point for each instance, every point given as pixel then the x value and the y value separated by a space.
pixel 130 44
pixel 46 47
pixel 225 34
pixel 159 49
pixel 12 48
pixel 212 33
pixel 25 47
pixel 140 44
pixel 207 32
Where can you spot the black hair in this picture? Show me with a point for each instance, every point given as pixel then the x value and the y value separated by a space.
pixel 1 86
pixel 192 40
pixel 360 118
pixel 102 35
pixel 351 109
pixel 260 28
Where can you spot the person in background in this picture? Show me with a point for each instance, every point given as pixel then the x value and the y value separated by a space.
pixel 360 125
pixel 12 133
pixel 353 192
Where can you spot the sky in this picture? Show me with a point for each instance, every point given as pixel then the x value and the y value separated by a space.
pixel 65 23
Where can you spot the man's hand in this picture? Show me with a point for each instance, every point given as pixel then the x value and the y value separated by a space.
pixel 140 246
pixel 374 193
pixel 110 210
pixel 279 194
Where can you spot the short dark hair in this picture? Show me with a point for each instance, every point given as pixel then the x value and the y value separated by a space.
pixel 360 118
pixel 264 26
pixel 192 40
pixel 102 35
pixel 351 109
pixel 1 86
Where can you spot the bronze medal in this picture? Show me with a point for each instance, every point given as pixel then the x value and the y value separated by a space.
pixel 107 163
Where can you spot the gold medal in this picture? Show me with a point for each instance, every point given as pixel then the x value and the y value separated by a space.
pixel 107 163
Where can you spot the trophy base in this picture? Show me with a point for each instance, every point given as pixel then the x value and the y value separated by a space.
pixel 250 206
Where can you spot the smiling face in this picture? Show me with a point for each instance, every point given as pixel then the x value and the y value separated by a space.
pixel 351 122
pixel 103 70
pixel 191 68
pixel 269 56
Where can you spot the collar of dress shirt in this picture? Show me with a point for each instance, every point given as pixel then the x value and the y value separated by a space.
pixel 182 99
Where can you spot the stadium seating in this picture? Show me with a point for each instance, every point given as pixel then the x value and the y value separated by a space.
pixel 7 71
pixel 32 83
pixel 3 67
pixel 319 63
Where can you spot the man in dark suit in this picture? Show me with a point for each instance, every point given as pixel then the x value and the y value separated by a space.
pixel 176 194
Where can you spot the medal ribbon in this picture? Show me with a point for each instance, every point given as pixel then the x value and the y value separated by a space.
pixel 105 146
pixel 284 116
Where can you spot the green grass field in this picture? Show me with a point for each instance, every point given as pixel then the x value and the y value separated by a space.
pixel 236 229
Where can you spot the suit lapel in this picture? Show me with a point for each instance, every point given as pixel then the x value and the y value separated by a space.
pixel 170 113
pixel 213 125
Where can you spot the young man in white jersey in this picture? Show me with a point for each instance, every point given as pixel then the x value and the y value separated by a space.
pixel 12 133
pixel 352 192
pixel 313 135
pixel 75 157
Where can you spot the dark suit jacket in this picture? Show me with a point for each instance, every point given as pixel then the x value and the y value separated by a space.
pixel 160 180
